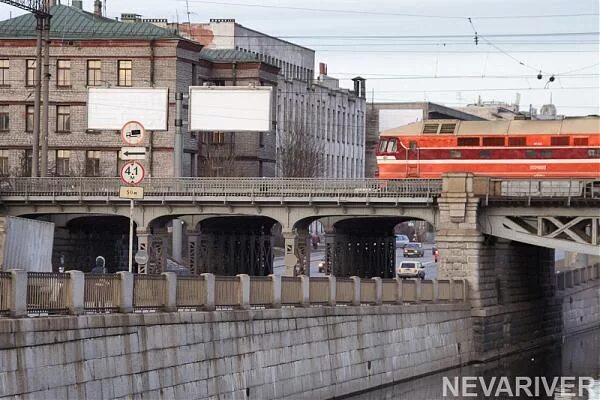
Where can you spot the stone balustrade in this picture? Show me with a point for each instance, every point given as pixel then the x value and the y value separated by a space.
pixel 76 293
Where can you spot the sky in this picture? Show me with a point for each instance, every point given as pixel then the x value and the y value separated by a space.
pixel 424 50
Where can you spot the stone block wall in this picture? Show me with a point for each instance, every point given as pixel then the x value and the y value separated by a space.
pixel 581 308
pixel 310 353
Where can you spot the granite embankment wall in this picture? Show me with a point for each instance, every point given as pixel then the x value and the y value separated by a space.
pixel 311 353
pixel 581 307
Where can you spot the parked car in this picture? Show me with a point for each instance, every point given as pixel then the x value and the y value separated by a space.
pixel 411 269
pixel 414 249
pixel 402 240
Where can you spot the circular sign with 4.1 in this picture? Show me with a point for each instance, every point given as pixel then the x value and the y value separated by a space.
pixel 132 173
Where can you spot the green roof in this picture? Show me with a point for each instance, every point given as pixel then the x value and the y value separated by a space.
pixel 70 23
pixel 227 55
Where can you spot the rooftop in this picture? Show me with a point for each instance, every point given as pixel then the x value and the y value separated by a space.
pixel 70 23
pixel 227 55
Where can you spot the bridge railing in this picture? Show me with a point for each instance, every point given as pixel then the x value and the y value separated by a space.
pixel 574 277
pixel 532 188
pixel 74 292
pixel 77 187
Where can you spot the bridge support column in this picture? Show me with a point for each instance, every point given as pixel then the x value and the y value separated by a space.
pixel 290 260
pixel 510 283
pixel 193 251
pixel 329 239
pixel 303 250
pixel 143 239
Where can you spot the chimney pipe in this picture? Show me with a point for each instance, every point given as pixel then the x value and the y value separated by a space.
pixel 51 3
pixel 98 8
pixel 363 88
pixel 322 69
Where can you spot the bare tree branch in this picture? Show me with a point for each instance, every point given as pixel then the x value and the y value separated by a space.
pixel 300 153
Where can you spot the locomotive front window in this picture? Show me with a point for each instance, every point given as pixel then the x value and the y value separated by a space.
pixel 392 146
pixel 382 145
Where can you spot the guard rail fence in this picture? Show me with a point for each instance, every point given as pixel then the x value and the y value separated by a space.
pixel 29 294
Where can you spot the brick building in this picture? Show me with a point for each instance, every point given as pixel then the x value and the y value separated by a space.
pixel 88 50
pixel 331 116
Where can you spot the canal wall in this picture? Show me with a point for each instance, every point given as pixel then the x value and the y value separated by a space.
pixel 312 353
pixel 581 307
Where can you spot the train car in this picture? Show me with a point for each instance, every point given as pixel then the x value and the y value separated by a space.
pixel 568 148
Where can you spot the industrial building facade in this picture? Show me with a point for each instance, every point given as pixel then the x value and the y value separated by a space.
pixel 332 117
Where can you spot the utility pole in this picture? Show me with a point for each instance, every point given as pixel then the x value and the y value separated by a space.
pixel 178 145
pixel 46 99
pixel 177 172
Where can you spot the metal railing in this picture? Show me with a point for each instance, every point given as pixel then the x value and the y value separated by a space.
pixel 75 292
pixel 47 292
pixel 101 292
pixel 149 292
pixel 367 292
pixel 575 277
pixel 5 292
pixel 319 290
pixel 546 189
pixel 191 292
pixel 344 290
pixel 256 188
pixel 227 291
pixel 389 290
pixel 261 291
pixel 291 290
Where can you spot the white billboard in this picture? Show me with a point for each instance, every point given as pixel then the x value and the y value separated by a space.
pixel 111 108
pixel 230 108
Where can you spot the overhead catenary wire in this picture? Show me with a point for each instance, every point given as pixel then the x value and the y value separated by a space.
pixel 391 13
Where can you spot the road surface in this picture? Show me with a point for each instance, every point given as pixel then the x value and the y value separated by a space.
pixel 318 255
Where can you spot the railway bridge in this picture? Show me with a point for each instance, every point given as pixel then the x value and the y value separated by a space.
pixel 228 222
pixel 498 235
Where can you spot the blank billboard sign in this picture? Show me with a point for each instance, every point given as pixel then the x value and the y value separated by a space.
pixel 230 108
pixel 111 108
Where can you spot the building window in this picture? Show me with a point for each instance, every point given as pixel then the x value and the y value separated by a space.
pixel 63 118
pixel 62 162
pixel 63 73
pixel 4 118
pixel 29 119
pixel 261 139
pixel 580 141
pixel 94 72
pixel 30 73
pixel 4 66
pixel 92 163
pixel 124 67
pixel 216 138
pixel 3 162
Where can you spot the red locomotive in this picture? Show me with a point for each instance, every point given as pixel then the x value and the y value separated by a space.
pixel 568 148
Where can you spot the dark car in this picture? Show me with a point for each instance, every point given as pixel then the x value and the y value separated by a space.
pixel 414 249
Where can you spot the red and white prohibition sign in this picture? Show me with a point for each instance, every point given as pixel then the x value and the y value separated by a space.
pixel 132 173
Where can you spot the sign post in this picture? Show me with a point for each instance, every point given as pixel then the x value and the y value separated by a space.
pixel 132 174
